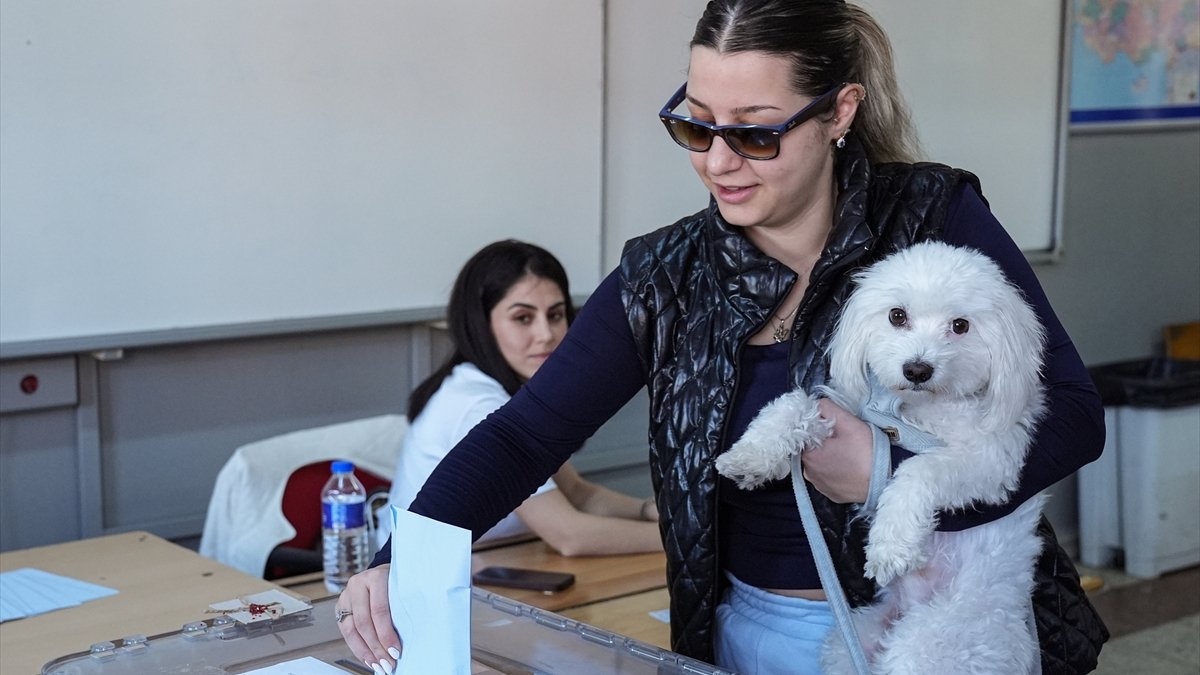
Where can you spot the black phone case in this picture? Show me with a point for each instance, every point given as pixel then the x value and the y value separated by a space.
pixel 516 577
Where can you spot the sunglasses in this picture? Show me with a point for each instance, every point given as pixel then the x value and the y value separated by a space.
pixel 752 141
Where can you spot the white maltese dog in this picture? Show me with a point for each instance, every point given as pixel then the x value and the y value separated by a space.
pixel 937 335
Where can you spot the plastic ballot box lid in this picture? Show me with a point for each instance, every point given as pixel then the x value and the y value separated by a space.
pixel 506 637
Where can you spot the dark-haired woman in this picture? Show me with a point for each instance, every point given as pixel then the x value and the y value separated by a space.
pixel 795 125
pixel 509 309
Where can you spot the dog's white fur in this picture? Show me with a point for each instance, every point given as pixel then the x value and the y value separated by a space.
pixel 950 602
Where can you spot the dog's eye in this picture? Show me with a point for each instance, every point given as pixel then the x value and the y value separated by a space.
pixel 960 326
pixel 897 316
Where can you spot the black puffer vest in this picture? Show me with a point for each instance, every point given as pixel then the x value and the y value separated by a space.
pixel 694 292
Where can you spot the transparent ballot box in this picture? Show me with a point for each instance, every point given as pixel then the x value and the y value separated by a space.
pixel 507 637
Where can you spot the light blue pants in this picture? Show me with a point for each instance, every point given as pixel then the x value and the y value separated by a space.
pixel 762 633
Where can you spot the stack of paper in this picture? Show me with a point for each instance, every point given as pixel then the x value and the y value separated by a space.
pixel 27 592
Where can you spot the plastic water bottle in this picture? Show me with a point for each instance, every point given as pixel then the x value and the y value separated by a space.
pixel 343 526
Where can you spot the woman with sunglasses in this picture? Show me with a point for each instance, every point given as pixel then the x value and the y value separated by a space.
pixel 793 121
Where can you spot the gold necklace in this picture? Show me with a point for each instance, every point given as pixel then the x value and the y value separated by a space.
pixel 782 331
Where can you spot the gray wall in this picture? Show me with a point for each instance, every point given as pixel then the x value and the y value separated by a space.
pixel 1131 258
pixel 143 445
pixel 1132 241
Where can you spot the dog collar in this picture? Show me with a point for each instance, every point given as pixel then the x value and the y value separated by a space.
pixel 882 409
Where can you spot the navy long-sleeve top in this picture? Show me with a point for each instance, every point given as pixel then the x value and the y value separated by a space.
pixel 596 370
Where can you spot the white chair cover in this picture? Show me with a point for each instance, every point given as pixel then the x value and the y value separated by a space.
pixel 245 514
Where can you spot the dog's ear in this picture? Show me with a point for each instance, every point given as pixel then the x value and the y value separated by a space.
pixel 848 350
pixel 1016 341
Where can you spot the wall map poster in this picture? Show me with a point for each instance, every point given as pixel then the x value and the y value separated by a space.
pixel 1134 61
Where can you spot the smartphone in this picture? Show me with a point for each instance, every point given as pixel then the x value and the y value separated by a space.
pixel 516 577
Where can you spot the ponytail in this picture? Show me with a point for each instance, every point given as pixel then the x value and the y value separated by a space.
pixel 883 124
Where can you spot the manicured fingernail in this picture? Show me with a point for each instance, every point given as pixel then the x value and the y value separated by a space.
pixel 388 668
pixel 394 652
pixel 378 670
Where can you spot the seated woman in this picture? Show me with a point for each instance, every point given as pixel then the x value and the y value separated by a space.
pixel 510 308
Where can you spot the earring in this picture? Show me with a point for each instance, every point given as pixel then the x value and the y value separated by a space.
pixel 841 141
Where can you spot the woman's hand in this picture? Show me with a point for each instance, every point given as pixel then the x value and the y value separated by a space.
pixel 367 626
pixel 649 510
pixel 840 468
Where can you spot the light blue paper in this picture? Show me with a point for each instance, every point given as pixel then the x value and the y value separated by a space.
pixel 29 592
pixel 306 665
pixel 429 590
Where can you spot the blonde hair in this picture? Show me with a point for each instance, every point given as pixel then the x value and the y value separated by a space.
pixel 829 42
pixel 883 122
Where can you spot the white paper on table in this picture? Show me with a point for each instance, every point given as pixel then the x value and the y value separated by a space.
pixel 429 590
pixel 29 592
pixel 302 666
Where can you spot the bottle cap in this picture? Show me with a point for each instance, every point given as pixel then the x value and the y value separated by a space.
pixel 342 467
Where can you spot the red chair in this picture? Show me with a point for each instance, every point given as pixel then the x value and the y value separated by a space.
pixel 302 508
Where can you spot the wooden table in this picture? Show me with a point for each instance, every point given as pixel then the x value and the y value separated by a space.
pixel 161 586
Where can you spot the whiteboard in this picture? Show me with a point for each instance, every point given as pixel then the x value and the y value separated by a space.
pixel 173 165
pixel 207 163
pixel 984 83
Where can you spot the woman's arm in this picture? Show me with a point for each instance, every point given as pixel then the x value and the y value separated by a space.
pixel 512 452
pixel 587 379
pixel 1071 434
pixel 582 518
pixel 598 500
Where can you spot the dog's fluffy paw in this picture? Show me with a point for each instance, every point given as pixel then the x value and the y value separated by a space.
pixel 749 468
pixel 782 428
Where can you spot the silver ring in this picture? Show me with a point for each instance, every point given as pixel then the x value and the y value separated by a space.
pixel 341 614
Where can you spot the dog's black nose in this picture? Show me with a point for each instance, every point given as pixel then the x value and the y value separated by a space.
pixel 917 372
